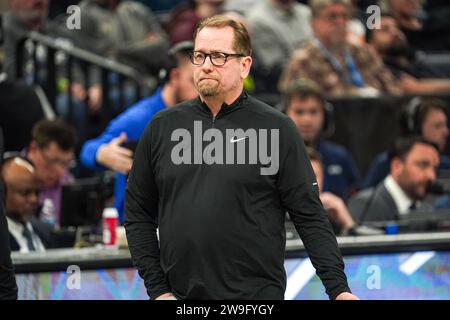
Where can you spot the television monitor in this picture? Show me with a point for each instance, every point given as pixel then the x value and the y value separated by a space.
pixel 82 202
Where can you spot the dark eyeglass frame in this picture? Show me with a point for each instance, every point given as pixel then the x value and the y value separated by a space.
pixel 211 58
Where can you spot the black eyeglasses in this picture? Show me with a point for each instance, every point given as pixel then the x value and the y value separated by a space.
pixel 334 16
pixel 218 59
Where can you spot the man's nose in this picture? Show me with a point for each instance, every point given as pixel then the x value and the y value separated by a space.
pixel 431 174
pixel 33 198
pixel 207 65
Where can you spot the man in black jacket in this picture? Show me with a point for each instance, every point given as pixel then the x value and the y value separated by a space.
pixel 8 288
pixel 216 176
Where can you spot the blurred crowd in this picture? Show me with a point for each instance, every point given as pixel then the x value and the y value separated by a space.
pixel 305 54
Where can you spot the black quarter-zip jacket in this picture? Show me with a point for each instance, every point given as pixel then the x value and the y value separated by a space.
pixel 221 224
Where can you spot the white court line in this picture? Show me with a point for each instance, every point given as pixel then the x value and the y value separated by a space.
pixel 414 262
pixel 298 278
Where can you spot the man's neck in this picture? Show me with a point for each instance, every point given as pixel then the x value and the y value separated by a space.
pixel 215 103
pixel 335 49
pixel 16 217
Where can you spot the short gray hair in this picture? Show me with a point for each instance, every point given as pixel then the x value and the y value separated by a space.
pixel 317 5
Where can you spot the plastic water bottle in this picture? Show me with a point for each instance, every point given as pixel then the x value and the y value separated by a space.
pixel 110 220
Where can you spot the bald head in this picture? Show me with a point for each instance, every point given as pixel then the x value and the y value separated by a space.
pixel 22 188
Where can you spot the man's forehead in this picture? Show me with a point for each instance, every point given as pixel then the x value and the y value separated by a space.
pixel 423 151
pixel 309 102
pixel 53 148
pixel 222 38
pixel 17 171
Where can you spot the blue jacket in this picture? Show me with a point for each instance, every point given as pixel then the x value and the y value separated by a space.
pixel 379 169
pixel 340 172
pixel 133 122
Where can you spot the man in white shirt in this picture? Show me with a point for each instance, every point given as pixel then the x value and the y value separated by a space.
pixel 21 203
pixel 413 166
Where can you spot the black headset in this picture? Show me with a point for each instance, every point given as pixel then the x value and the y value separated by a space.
pixel 410 117
pixel 415 111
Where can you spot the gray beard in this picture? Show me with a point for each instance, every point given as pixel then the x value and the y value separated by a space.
pixel 208 91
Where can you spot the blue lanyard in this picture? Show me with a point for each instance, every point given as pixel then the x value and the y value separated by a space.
pixel 355 76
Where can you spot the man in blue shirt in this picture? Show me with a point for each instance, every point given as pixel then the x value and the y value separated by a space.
pixel 305 104
pixel 107 150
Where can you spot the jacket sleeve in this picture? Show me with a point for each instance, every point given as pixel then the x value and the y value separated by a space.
pixel 141 215
pixel 299 195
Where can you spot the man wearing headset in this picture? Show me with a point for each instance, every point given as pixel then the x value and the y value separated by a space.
pixel 305 104
pixel 424 117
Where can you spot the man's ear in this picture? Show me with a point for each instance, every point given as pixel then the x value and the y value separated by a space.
pixel 245 66
pixel 33 146
pixel 396 166
pixel 174 75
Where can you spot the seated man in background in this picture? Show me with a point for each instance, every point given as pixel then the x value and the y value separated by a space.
pixel 26 232
pixel 424 117
pixel 106 151
pixel 338 213
pixel 413 165
pixel 338 67
pixel 51 151
pixel 305 104
pixel 414 76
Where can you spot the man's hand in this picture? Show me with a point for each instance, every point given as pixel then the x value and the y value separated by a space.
pixel 337 210
pixel 115 157
pixel 166 296
pixel 346 296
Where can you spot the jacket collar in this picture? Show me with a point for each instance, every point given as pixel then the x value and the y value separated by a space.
pixel 226 108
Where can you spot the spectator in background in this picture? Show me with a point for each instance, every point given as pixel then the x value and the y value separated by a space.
pixel 408 13
pixel 277 27
pixel 51 151
pixel 26 16
pixel 424 23
pixel 20 108
pixel 184 18
pixel 340 68
pixel 424 117
pixel 106 151
pixel 413 164
pixel 26 233
pixel 337 211
pixel 124 30
pixel 414 76
pixel 23 17
pixel 8 287
pixel 305 104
